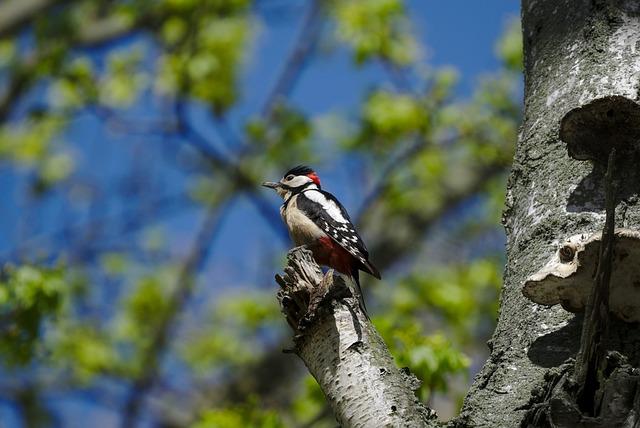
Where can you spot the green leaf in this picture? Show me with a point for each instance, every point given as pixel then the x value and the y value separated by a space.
pixel 376 29
pixel 249 415
pixel 509 46
pixel 29 297
pixel 394 115
pixel 124 79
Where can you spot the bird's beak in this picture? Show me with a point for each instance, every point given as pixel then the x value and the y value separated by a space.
pixel 271 184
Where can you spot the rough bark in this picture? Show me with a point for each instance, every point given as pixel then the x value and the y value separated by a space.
pixel 576 51
pixel 344 352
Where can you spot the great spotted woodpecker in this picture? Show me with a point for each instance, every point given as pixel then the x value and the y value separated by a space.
pixel 317 220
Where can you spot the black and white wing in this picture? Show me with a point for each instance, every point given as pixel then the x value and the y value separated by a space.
pixel 329 214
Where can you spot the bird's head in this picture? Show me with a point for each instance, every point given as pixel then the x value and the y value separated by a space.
pixel 295 180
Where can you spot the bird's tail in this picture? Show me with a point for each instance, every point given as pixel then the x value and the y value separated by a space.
pixel 355 274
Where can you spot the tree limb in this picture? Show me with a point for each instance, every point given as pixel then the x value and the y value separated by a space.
pixel 298 56
pixel 182 292
pixel 391 244
pixel 344 352
pixel 16 13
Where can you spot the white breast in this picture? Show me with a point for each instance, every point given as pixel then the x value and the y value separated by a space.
pixel 301 228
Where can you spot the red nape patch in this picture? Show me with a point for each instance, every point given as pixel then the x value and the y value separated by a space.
pixel 313 176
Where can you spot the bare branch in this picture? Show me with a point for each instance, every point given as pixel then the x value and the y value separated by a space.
pixel 70 234
pixel 107 29
pixel 233 171
pixel 392 244
pixel 344 352
pixel 18 83
pixel 305 43
pixel 16 13
pixel 93 33
pixel 182 292
pixel 397 163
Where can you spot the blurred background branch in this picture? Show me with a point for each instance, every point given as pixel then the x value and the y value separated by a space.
pixel 138 249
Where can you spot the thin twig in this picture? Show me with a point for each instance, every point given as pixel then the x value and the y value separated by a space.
pixel 388 250
pixel 383 179
pixel 16 13
pixel 241 180
pixel 234 173
pixel 126 125
pixel 169 204
pixel 398 77
pixel 298 56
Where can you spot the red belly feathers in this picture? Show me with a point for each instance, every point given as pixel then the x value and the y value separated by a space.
pixel 329 253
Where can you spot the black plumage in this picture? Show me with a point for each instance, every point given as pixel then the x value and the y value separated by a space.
pixel 342 232
pixel 299 170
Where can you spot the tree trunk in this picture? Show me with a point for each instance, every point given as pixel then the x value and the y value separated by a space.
pixel 576 52
pixel 582 81
pixel 344 352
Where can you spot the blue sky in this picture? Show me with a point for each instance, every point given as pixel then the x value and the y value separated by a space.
pixel 456 33
pixel 459 33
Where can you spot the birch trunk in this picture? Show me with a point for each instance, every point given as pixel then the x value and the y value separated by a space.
pixel 576 51
pixel 344 352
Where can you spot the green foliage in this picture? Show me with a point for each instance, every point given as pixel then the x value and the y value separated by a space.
pixel 464 294
pixel 7 52
pixel 30 144
pixel 464 300
pixel 55 168
pixel 232 335
pixel 248 415
pixel 207 190
pixel 432 315
pixel 376 29
pixel 27 143
pixel 114 264
pixel 87 347
pixel 205 43
pixel 85 351
pixel 123 79
pixel 280 139
pixel 509 46
pixel 437 151
pixel 432 358
pixel 75 87
pixel 309 403
pixel 144 309
pixel 29 296
pixel 286 131
pixel 393 115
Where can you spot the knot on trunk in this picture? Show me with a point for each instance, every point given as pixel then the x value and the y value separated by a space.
pixel 306 293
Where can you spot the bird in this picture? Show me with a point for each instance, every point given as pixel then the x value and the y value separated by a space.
pixel 317 220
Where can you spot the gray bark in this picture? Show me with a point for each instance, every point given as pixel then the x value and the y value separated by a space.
pixel 15 13
pixel 576 51
pixel 344 352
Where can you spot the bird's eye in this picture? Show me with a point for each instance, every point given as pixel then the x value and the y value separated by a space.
pixel 289 177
